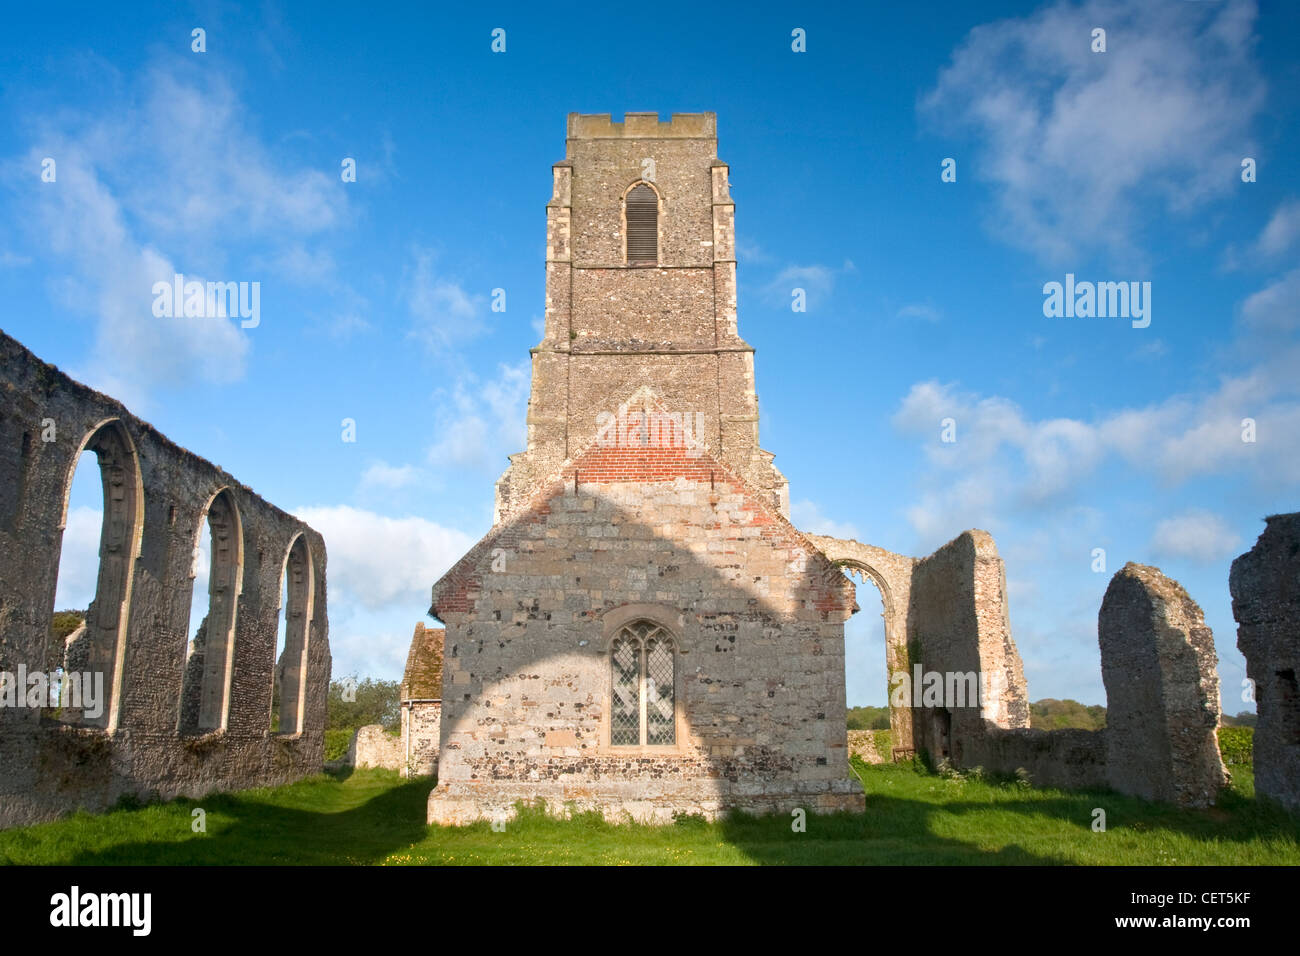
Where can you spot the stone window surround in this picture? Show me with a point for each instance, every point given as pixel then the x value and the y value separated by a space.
pixel 659 224
pixel 674 623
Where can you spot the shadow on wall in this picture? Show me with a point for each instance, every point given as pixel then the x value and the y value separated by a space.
pixel 643 647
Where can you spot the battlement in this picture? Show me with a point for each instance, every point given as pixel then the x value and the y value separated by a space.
pixel 643 126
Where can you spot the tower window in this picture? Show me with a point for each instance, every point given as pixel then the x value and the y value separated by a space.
pixel 642 226
pixel 643 706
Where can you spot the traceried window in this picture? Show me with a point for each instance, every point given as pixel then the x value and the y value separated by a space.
pixel 643 692
pixel 642 226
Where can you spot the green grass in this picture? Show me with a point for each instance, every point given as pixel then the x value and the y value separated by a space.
pixel 913 817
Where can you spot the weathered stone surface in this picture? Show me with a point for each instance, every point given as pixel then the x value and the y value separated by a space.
pixel 1265 585
pixel 372 747
pixel 611 326
pixel 1162 690
pixel 422 702
pixel 1070 759
pixel 687 540
pixel 157 497
pixel 755 611
pixel 958 624
pixel 892 575
pixel 863 744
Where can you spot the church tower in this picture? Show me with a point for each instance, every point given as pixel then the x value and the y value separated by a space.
pixel 641 292
pixel 642 631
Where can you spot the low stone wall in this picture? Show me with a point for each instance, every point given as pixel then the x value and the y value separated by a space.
pixel 1069 759
pixel 372 747
pixel 863 743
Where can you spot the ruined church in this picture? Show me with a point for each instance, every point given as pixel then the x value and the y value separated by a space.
pixel 643 631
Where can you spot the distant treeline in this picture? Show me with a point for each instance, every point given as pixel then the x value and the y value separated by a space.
pixel 1045 714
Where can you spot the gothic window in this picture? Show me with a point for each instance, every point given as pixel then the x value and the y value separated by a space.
pixel 642 226
pixel 643 704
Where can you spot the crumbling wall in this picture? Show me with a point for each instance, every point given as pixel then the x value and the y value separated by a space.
pixel 157 497
pixel 372 747
pixel 421 728
pixel 862 743
pixel 892 575
pixel 1070 759
pixel 754 611
pixel 958 625
pixel 1265 585
pixel 1162 690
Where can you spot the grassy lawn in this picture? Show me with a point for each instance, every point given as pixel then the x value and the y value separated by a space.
pixel 374 817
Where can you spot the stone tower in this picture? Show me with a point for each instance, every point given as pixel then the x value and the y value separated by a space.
pixel 642 631
pixel 624 310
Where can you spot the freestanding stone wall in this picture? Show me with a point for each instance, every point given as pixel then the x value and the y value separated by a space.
pixel 1162 690
pixel 1265 585
pixel 958 626
pixel 168 724
pixel 371 746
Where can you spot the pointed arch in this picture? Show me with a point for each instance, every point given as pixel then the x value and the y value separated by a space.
pixel 99 646
pixel 289 673
pixel 205 690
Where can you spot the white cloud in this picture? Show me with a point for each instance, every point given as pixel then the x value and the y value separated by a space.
pixel 162 185
pixel 444 312
pixel 1282 230
pixel 376 561
pixel 79 559
pixel 1276 307
pixel 1195 535
pixel 380 474
pixel 1003 460
pixel 817 281
pixel 483 421
pixel 807 516
pixel 1076 143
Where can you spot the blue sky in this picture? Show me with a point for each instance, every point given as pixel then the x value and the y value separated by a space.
pixel 925 297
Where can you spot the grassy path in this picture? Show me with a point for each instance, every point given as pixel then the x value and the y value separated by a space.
pixel 374 817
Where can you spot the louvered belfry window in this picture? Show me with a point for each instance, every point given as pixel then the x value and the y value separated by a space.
pixel 643 700
pixel 642 226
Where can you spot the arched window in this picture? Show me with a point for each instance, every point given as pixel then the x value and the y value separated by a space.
pixel 643 696
pixel 288 697
pixel 96 646
pixel 642 226
pixel 205 687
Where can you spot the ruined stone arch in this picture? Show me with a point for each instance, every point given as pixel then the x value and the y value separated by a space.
pixel 891 573
pixel 205 692
pixel 290 671
pixel 99 646
pixel 645 218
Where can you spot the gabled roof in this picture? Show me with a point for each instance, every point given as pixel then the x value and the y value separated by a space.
pixel 423 677
pixel 458 588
